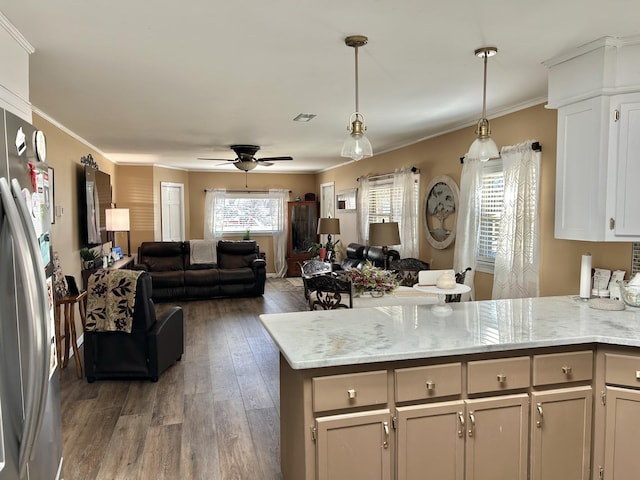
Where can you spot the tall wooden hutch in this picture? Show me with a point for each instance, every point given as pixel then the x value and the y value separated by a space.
pixel 303 227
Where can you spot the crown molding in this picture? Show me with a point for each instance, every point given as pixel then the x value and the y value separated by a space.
pixel 15 33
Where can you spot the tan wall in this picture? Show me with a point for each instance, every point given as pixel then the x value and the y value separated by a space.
pixel 559 259
pixel 63 155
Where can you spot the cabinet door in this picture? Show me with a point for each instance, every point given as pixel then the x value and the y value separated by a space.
pixel 561 434
pixel 430 441
pixel 627 191
pixel 580 172
pixel 497 431
pixel 354 446
pixel 622 461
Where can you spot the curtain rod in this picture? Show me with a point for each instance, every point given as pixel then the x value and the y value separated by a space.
pixel 387 175
pixel 239 191
pixel 535 146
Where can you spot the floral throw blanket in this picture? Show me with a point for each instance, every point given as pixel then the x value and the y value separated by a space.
pixel 111 298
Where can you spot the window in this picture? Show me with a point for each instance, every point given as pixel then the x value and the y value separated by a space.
pixel 384 199
pixel 238 212
pixel 491 208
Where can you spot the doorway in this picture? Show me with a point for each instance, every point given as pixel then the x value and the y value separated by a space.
pixel 172 200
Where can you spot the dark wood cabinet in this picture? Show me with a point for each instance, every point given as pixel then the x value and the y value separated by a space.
pixel 303 227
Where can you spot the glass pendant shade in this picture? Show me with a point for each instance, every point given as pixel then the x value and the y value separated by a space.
pixel 484 148
pixel 357 146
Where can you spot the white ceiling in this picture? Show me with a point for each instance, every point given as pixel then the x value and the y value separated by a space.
pixel 165 82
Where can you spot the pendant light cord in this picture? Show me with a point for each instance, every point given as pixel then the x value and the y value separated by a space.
pixel 357 102
pixel 484 89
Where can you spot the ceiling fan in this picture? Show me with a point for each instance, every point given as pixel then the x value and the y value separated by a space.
pixel 246 159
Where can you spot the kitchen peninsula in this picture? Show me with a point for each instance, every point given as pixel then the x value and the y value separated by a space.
pixel 496 389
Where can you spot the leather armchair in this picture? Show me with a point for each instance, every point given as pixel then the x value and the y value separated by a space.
pixel 153 345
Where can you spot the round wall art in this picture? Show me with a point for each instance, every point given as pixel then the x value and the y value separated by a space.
pixel 440 211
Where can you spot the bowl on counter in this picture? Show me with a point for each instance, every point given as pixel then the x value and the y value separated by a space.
pixel 630 293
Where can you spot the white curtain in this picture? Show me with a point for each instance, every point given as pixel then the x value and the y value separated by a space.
pixel 278 204
pixel 211 220
pixel 516 272
pixel 363 210
pixel 468 221
pixel 405 212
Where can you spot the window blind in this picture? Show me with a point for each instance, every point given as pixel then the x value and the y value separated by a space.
pixel 491 208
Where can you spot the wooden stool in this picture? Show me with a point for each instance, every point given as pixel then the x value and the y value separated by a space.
pixel 69 335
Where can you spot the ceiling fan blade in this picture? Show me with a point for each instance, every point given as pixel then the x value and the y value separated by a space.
pixel 275 159
pixel 265 164
pixel 216 159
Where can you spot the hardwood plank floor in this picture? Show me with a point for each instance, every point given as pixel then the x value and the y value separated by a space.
pixel 213 416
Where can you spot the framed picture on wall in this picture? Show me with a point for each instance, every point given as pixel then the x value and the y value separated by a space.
pixel 327 200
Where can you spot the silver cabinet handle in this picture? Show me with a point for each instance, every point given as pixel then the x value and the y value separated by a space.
pixel 385 427
pixel 431 386
pixel 352 393
pixel 472 424
pixel 567 370
pixel 540 415
pixel 637 374
pixel 501 378
pixel 460 424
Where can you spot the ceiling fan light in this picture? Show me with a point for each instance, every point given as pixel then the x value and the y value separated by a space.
pixel 245 165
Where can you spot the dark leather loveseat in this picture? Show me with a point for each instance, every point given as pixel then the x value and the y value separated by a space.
pixel 239 272
pixel 358 254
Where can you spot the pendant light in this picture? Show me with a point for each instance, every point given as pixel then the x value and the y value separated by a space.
pixel 356 146
pixel 483 148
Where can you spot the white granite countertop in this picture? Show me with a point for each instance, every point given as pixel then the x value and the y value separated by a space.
pixel 368 335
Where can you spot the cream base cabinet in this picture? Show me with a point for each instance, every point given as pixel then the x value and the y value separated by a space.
pixel 354 446
pixel 430 441
pixel 561 434
pixel 483 439
pixel 622 460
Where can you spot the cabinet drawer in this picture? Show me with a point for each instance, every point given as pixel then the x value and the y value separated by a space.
pixel 562 368
pixel 494 375
pixel 348 391
pixel 428 382
pixel 622 370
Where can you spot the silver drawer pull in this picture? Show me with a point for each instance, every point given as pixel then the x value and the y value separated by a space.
pixel 637 374
pixel 501 378
pixel 351 393
pixel 567 370
pixel 431 385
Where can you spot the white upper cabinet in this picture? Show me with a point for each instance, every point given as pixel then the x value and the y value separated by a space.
pixel 596 90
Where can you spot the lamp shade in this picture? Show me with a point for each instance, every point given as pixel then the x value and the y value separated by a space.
pixel 384 234
pixel 483 149
pixel 357 147
pixel 117 219
pixel 328 226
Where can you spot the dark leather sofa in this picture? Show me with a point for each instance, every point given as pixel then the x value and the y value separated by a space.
pixel 153 345
pixel 239 272
pixel 358 254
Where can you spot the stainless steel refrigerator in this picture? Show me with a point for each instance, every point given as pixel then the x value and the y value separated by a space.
pixel 30 423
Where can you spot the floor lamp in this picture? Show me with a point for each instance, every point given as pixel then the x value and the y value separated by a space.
pixel 117 220
pixel 382 235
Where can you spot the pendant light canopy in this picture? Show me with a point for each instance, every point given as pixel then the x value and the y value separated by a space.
pixel 484 148
pixel 357 145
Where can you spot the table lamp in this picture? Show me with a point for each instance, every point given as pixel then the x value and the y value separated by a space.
pixel 382 235
pixel 117 220
pixel 328 227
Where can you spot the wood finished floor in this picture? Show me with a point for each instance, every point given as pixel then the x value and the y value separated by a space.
pixel 214 415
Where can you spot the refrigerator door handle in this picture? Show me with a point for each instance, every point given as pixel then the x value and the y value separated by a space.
pixel 42 316
pixel 33 298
